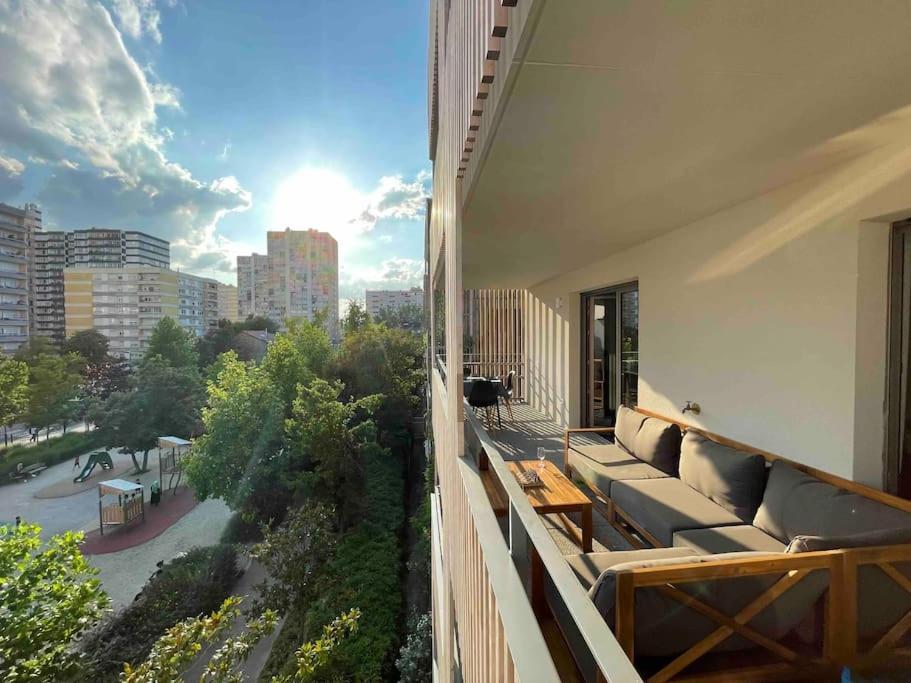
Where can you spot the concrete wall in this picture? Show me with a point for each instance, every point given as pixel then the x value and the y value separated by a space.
pixel 771 314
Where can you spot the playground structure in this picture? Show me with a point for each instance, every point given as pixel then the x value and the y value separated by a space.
pixel 102 458
pixel 126 509
pixel 171 450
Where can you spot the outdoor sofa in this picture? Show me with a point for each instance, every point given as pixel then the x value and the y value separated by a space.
pixel 783 569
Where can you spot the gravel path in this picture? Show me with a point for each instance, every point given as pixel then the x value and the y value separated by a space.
pixel 124 573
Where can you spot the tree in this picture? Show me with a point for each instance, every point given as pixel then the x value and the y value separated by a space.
pixel 381 360
pixel 294 555
pixel 182 643
pixel 105 378
pixel 355 319
pixel 50 596
pixel 166 400
pixel 90 344
pixel 409 317
pixel 296 357
pixel 54 383
pixel 35 346
pixel 258 322
pixel 216 342
pixel 328 435
pixel 13 389
pixel 242 438
pixel 174 344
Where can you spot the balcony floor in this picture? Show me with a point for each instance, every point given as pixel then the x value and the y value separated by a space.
pixel 519 439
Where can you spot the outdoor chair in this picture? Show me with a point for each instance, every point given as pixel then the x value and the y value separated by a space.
pixel 485 394
pixel 508 388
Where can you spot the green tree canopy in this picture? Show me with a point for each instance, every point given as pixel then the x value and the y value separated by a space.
pixel 49 596
pixel 54 383
pixel 297 357
pixel 328 434
pixel 409 317
pixel 242 438
pixel 174 344
pixel 36 346
pixel 166 401
pixel 380 360
pixel 90 344
pixel 355 319
pixel 13 389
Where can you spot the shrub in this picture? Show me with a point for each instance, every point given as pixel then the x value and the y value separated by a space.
pixel 196 583
pixel 364 574
pixel 50 453
pixel 415 662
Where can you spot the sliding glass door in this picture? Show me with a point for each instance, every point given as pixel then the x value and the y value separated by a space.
pixel 610 353
pixel 898 436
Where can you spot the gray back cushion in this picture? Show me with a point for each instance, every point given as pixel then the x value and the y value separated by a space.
pixel 665 627
pixel 626 427
pixel 731 478
pixel 797 504
pixel 658 444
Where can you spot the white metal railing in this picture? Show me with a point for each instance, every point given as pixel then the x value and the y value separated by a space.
pixel 526 530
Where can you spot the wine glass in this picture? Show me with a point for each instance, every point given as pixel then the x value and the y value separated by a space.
pixel 542 455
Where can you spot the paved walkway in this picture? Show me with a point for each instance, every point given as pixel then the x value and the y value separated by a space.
pixel 251 669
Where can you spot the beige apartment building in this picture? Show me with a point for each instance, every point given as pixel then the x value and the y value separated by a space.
pixel 705 209
pixel 124 304
pixel 297 278
pixel 227 303
pixel 17 227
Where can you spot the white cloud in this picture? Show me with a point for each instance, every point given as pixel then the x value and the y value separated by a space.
pixel 11 166
pixel 224 152
pixel 136 17
pixel 10 181
pixel 79 101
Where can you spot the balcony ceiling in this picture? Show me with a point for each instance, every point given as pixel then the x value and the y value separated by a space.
pixel 630 119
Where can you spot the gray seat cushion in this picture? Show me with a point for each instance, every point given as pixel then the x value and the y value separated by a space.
pixel 665 506
pixel 665 627
pixel 600 466
pixel 658 444
pixel 732 478
pixel 728 539
pixel 798 504
pixel 590 566
pixel 626 427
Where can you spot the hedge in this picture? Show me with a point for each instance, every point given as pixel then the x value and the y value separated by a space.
pixel 193 584
pixel 365 573
pixel 50 453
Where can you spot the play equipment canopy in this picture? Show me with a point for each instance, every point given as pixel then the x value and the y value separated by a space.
pixel 128 506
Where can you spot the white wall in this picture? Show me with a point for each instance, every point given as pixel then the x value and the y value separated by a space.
pixel 771 315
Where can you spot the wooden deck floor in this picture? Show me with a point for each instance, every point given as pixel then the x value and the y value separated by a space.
pixel 519 439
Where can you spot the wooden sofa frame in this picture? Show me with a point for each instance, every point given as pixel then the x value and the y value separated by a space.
pixel 840 646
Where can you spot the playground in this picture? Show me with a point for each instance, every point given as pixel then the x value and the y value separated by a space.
pixel 65 497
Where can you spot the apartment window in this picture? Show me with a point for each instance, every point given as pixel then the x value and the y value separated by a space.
pixel 439 316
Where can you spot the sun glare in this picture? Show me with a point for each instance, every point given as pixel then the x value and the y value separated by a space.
pixel 317 198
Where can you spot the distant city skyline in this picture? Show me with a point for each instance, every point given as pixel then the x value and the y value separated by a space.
pixel 150 131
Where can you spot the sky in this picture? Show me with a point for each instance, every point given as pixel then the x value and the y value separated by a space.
pixel 208 123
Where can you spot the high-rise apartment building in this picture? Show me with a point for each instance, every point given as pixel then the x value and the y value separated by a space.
pixel 393 299
pixel 227 302
pixel 53 251
pixel 252 285
pixel 198 302
pixel 16 229
pixel 123 303
pixel 298 278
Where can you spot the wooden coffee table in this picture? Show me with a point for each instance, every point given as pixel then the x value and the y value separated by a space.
pixel 558 495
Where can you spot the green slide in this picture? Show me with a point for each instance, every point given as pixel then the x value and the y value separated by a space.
pixel 102 458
